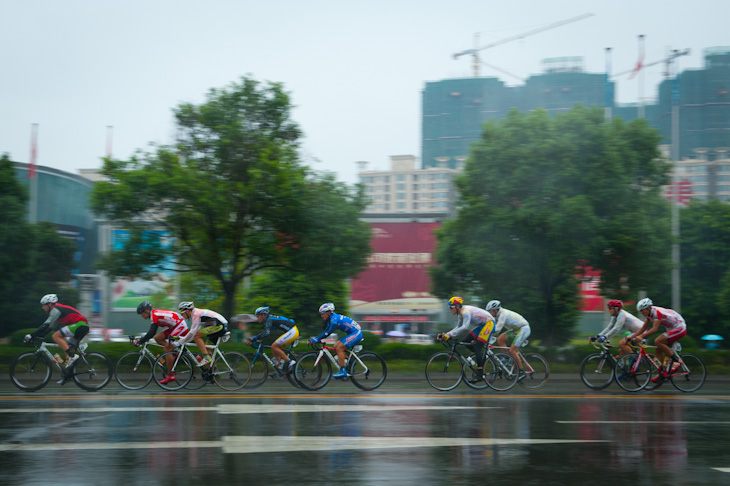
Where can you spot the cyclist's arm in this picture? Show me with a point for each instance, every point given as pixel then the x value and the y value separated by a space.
pixel 648 332
pixel 461 326
pixel 48 325
pixel 613 326
pixel 640 331
pixel 190 335
pixel 327 331
pixel 499 322
pixel 150 333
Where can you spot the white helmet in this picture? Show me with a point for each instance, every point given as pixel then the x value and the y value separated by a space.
pixel 49 299
pixel 186 306
pixel 494 304
pixel 326 307
pixel 644 304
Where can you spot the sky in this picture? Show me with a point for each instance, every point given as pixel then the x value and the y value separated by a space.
pixel 354 69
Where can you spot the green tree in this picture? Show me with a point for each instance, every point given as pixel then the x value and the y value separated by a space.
pixel 540 198
pixel 232 193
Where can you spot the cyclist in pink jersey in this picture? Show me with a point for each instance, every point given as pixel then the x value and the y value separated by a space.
pixel 172 325
pixel 672 321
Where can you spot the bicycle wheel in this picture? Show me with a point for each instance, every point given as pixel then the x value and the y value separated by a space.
pixel 631 376
pixel 133 370
pixel 444 371
pixel 30 371
pixel 182 367
pixel 596 371
pixel 501 371
pixel 290 376
pixel 201 375
pixel 473 376
pixel 259 369
pixel 92 371
pixel 311 376
pixel 690 375
pixel 231 371
pixel 536 371
pixel 367 370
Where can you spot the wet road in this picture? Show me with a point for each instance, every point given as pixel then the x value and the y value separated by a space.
pixel 404 433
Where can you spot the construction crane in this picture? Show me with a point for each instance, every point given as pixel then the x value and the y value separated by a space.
pixel 475 52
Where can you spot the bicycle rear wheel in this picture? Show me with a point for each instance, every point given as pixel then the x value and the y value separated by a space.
pixel 182 368
pixel 259 369
pixel 231 371
pixel 30 371
pixel 444 371
pixel 501 371
pixel 596 371
pixel 367 370
pixel 536 371
pixel 92 371
pixel 690 375
pixel 311 375
pixel 633 376
pixel 133 370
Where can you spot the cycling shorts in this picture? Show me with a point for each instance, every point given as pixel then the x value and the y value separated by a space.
pixel 288 337
pixel 352 339
pixel 214 332
pixel 520 336
pixel 71 331
pixel 482 333
pixel 675 334
pixel 179 330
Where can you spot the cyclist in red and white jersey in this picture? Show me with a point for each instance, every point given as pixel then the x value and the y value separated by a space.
pixel 172 324
pixel 620 319
pixel 672 321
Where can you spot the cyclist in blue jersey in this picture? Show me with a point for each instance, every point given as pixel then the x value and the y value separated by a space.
pixel 334 322
pixel 280 323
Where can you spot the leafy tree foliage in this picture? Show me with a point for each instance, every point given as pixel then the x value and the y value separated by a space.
pixel 232 194
pixel 542 197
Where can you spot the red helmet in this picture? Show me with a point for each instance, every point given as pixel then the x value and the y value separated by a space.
pixel 616 303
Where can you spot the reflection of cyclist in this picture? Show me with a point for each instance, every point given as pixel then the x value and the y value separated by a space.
pixel 172 323
pixel 511 323
pixel 202 323
pixel 470 315
pixel 620 319
pixel 74 328
pixel 332 323
pixel 674 324
pixel 287 326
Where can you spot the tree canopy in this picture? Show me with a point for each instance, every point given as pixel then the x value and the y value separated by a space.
pixel 541 198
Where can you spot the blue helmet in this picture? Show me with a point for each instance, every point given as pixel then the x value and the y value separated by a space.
pixel 262 310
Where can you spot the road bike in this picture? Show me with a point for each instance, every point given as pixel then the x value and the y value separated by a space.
pixel 133 369
pixel 261 363
pixel 32 370
pixel 534 365
pixel 445 370
pixel 598 370
pixel 644 371
pixel 230 370
pixel 313 370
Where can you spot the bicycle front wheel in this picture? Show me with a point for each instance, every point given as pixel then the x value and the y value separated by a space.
pixel 30 371
pixel 182 368
pixel 92 371
pixel 367 370
pixel 536 371
pixel 596 371
pixel 633 375
pixel 310 374
pixel 501 371
pixel 259 369
pixel 690 375
pixel 133 370
pixel 231 371
pixel 444 371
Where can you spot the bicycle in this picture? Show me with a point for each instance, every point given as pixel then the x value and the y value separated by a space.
pixel 689 376
pixel 445 370
pixel 230 370
pixel 32 370
pixel 260 363
pixel 313 370
pixel 598 370
pixel 133 369
pixel 535 367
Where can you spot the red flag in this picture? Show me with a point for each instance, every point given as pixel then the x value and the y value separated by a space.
pixel 33 150
pixel 640 62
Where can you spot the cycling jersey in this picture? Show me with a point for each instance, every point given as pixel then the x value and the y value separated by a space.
pixel 344 324
pixel 622 320
pixel 172 323
pixel 204 318
pixel 509 320
pixel 272 322
pixel 667 317
pixel 470 316
pixel 63 315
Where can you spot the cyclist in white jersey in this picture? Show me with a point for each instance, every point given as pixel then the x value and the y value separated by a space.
pixel 510 322
pixel 672 321
pixel 482 323
pixel 620 319
pixel 202 323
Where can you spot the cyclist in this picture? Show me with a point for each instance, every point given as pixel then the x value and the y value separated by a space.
pixel 172 323
pixel 675 327
pixel 280 323
pixel 202 323
pixel 74 328
pixel 510 322
pixel 469 315
pixel 620 319
pixel 333 322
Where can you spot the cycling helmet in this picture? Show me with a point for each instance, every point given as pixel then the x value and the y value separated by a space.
pixel 186 306
pixel 644 304
pixel 262 310
pixel 143 307
pixel 494 305
pixel 326 307
pixel 454 301
pixel 615 303
pixel 49 299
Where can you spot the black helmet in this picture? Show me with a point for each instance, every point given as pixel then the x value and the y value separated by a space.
pixel 143 307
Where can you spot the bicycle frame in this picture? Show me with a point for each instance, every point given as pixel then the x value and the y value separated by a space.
pixel 261 347
pixel 327 351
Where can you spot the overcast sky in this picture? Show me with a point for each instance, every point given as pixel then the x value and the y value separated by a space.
pixel 355 69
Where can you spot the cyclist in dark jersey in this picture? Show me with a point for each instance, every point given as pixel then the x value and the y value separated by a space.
pixel 282 324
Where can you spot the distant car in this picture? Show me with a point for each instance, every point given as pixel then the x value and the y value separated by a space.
pixel 419 339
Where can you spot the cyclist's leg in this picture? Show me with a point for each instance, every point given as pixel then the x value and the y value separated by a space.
pixel 59 337
pixel 342 346
pixel 161 338
pixel 672 337
pixel 277 347
pixel 522 335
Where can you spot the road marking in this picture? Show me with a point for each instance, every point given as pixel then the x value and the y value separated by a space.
pixel 641 422
pixel 244 408
pixel 722 469
pixel 264 443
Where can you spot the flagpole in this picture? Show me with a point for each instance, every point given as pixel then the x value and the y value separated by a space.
pixel 609 98
pixel 109 136
pixel 32 174
pixel 641 77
